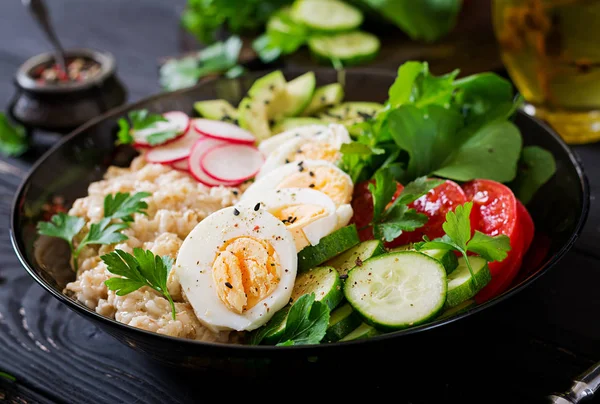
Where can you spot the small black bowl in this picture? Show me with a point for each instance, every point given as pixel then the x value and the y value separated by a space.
pixel 63 107
pixel 559 210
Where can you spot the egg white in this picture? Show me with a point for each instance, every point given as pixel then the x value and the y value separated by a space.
pixel 272 143
pixel 197 255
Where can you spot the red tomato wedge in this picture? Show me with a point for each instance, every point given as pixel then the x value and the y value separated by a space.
pixel 526 224
pixel 435 204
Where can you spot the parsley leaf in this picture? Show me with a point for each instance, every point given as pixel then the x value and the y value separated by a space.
pixel 142 268
pixel 536 167
pixel 13 138
pixel 124 133
pixel 103 232
pixel 62 226
pixel 383 191
pixel 123 206
pixel 306 323
pixel 398 220
pixel 458 237
pixel 143 119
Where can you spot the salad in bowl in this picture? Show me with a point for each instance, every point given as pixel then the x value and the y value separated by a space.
pixel 299 217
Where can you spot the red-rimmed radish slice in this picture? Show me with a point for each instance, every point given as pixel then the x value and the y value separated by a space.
pixel 223 131
pixel 173 151
pixel 181 165
pixel 175 121
pixel 232 162
pixel 195 166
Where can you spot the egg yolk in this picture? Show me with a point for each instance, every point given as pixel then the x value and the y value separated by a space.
pixel 315 151
pixel 245 271
pixel 325 179
pixel 295 217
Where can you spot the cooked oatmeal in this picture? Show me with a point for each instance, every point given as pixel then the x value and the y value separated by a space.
pixel 177 203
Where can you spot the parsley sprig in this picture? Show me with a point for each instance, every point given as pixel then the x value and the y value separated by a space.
pixel 107 231
pixel 458 238
pixel 306 323
pixel 390 219
pixel 143 119
pixel 143 268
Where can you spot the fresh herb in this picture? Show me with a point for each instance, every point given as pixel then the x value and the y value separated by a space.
pixel 283 36
pixel 124 134
pixel 7 376
pixel 390 219
pixel 458 238
pixel 142 119
pixel 536 167
pixel 13 138
pixel 140 269
pixel 306 323
pixel 221 57
pixel 106 231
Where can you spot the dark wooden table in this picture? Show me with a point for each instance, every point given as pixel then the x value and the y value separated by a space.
pixel 543 337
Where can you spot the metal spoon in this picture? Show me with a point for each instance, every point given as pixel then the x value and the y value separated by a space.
pixel 38 9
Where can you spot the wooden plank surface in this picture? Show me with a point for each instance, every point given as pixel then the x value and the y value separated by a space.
pixel 550 330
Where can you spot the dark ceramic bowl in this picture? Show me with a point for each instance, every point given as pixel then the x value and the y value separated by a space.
pixel 559 211
pixel 63 107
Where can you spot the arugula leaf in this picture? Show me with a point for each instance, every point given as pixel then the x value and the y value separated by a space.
pixel 13 138
pixel 536 167
pixel 142 268
pixel 124 133
pixel 306 323
pixel 123 205
pixel 401 92
pixel 398 220
pixel 62 226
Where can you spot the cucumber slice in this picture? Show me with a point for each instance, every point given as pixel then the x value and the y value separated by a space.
pixel 361 332
pixel 327 16
pixel 397 290
pixel 342 321
pixel 464 306
pixel 447 257
pixel 349 48
pixel 291 123
pixel 462 286
pixel 278 318
pixel 329 246
pixel 324 97
pixel 298 93
pixel 252 115
pixel 356 255
pixel 349 113
pixel 219 110
pixel 324 282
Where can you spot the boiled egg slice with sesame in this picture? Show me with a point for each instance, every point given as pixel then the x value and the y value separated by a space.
pixel 324 145
pixel 308 214
pixel 319 175
pixel 270 144
pixel 237 267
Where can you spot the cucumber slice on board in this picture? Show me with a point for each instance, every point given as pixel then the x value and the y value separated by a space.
pixel 361 332
pixel 447 257
pixel 356 256
pixel 296 96
pixel 328 247
pixel 324 97
pixel 324 282
pixel 342 321
pixel 290 123
pixel 462 286
pixel 349 113
pixel 397 290
pixel 349 48
pixel 326 16
pixel 464 306
pixel 219 110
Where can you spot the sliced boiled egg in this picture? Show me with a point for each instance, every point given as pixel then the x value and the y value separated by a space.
pixel 324 145
pixel 237 267
pixel 272 143
pixel 319 175
pixel 308 214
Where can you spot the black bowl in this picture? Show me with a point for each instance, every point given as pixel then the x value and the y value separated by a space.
pixel 559 210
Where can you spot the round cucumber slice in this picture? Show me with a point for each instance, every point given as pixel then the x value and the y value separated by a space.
pixel 278 318
pixel 350 48
pixel 324 97
pixel 361 332
pixel 462 286
pixel 342 321
pixel 324 282
pixel 328 247
pixel 356 256
pixel 464 306
pixel 447 257
pixel 397 290
pixel 327 16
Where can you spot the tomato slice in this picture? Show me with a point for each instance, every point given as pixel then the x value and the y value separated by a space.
pixel 527 225
pixel 435 204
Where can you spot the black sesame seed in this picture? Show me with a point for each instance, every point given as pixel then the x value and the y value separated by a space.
pixel 323 99
pixel 272 87
pixel 229 285
pixel 247 106
pixel 311 173
pixel 300 168
pixel 267 102
pixel 287 161
pixel 234 192
pixel 311 186
pixel 236 212
pixel 257 206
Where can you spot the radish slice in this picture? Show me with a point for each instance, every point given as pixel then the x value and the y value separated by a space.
pixel 175 121
pixel 194 160
pixel 223 130
pixel 232 162
pixel 173 151
pixel 181 165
